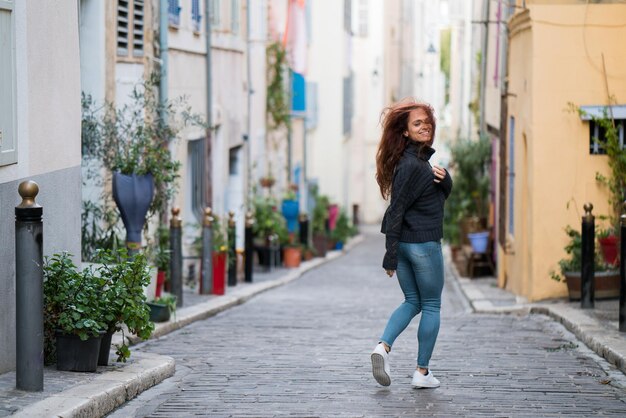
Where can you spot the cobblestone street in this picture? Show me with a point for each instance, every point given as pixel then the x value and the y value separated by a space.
pixel 303 350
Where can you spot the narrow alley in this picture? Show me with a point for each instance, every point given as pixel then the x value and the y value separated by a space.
pixel 303 350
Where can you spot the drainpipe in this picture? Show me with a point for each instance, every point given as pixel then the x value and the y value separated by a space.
pixel 483 69
pixel 163 28
pixel 250 91
pixel 208 166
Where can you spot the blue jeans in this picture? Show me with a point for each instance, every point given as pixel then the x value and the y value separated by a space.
pixel 420 274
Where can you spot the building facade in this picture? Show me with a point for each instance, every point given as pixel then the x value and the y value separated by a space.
pixel 40 136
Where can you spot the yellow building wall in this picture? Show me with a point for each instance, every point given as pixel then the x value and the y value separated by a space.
pixel 563 45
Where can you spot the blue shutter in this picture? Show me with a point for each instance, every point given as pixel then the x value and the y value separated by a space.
pixel 173 12
pixel 196 17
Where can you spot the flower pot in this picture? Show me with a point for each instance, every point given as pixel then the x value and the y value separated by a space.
pixel 219 273
pixel 339 245
pixel 159 312
pixel 105 348
pixel 160 283
pixel 307 255
pixel 76 355
pixel 290 209
pixel 133 195
pixel 606 284
pixel 333 213
pixel 609 248
pixel 479 241
pixel 292 257
pixel 320 244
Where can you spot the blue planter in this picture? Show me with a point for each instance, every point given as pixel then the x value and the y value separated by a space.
pixel 133 195
pixel 479 241
pixel 290 209
pixel 339 245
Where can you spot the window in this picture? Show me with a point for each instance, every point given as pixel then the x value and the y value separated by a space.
pixel 173 13
pixel 597 136
pixel 196 17
pixel 8 142
pixel 130 28
pixel 215 13
pixel 234 16
pixel 511 181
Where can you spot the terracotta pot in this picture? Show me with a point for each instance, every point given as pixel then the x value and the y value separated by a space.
pixel 292 257
pixel 606 284
pixel 609 249
pixel 307 255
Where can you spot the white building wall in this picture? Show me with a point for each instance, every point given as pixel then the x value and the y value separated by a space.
pixel 48 141
pixel 368 103
pixel 327 68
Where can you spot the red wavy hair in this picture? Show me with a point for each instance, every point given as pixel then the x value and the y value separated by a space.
pixel 395 121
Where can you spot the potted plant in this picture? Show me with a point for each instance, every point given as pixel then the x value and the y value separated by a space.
pixel 132 142
pixel 292 253
pixel 608 241
pixel 468 206
pixel 607 279
pixel 125 278
pixel 319 225
pixel 269 228
pixel 342 230
pixel 74 314
pixel 162 307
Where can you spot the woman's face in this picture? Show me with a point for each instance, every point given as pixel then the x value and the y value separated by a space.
pixel 419 128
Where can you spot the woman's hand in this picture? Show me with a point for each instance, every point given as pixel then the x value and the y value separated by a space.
pixel 390 272
pixel 439 172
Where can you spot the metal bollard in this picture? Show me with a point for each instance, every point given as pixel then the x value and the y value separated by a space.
pixel 29 290
pixel 206 282
pixel 176 256
pixel 232 245
pixel 248 248
pixel 622 271
pixel 588 252
pixel 304 229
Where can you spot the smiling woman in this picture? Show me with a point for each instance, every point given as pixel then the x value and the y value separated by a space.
pixel 413 226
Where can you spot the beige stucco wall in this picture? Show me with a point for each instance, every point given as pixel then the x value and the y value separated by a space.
pixel 554 61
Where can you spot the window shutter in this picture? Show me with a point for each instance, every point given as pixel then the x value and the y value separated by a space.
pixel 196 17
pixel 123 22
pixel 173 11
pixel 8 138
pixel 138 14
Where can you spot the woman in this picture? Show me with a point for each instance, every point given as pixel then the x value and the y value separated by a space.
pixel 413 227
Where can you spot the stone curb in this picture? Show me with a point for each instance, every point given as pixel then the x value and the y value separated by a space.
pixel 609 345
pixel 106 392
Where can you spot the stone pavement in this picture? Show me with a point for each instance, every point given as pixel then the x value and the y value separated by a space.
pixel 69 394
pixel 597 327
pixel 303 350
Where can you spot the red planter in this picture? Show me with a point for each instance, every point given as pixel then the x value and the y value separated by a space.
pixel 219 273
pixel 609 249
pixel 160 283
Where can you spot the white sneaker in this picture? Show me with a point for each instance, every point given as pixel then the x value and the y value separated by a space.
pixel 380 365
pixel 421 381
